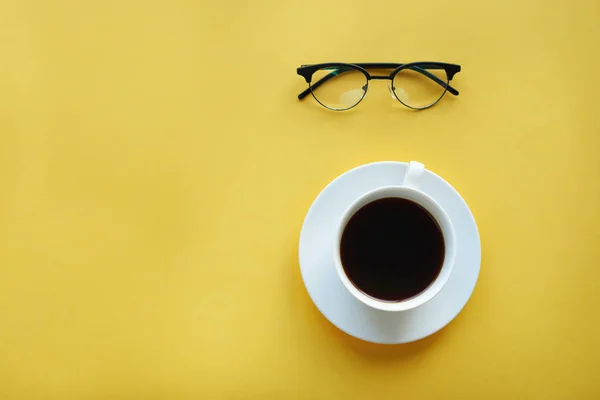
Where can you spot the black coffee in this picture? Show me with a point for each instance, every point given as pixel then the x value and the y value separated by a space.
pixel 392 249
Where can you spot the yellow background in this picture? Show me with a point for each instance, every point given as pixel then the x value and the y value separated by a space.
pixel 156 167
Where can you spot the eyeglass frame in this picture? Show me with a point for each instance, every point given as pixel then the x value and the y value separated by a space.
pixel 307 71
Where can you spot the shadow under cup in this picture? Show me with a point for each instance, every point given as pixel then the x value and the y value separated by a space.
pixel 395 248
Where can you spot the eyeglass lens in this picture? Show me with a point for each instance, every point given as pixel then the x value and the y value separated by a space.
pixel 416 88
pixel 339 88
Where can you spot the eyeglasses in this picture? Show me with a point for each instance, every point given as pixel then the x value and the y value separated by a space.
pixel 340 86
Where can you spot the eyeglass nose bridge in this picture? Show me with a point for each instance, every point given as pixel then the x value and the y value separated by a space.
pixel 380 77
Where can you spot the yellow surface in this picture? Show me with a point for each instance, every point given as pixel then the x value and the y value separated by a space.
pixel 156 167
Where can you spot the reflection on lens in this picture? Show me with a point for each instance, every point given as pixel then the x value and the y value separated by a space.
pixel 420 87
pixel 338 88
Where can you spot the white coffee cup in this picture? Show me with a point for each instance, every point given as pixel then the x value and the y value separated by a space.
pixel 408 190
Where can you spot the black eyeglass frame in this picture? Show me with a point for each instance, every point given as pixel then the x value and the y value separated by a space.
pixel 307 72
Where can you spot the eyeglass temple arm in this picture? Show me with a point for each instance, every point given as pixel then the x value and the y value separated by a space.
pixel 341 70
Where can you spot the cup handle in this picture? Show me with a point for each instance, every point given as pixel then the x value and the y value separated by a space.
pixel 413 174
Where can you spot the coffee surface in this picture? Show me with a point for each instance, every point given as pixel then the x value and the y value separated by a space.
pixel 392 249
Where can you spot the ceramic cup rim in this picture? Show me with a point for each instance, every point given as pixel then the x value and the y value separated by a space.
pixel 445 224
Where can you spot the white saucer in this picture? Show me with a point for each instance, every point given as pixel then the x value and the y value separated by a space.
pixel 338 305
